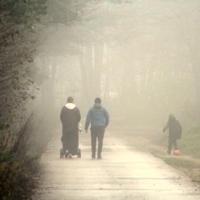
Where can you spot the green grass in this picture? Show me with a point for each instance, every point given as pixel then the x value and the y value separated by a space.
pixel 190 142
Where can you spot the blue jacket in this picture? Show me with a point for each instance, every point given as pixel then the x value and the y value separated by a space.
pixel 97 116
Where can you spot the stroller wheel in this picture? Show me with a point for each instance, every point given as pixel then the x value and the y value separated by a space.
pixel 66 155
pixel 79 153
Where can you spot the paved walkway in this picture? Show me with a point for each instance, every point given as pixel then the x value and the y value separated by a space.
pixel 123 174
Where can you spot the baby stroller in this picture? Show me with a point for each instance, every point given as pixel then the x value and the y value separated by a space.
pixel 64 154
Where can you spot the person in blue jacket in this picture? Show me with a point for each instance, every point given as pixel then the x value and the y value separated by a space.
pixel 98 116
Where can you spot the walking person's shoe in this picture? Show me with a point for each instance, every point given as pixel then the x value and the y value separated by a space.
pixel 169 152
pixel 70 156
pixel 93 156
pixel 99 157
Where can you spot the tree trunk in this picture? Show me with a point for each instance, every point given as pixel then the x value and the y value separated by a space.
pixel 84 79
pixel 98 62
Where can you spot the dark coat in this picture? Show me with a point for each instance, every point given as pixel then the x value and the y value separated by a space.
pixel 175 129
pixel 70 117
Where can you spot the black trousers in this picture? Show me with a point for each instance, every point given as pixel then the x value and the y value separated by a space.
pixel 97 133
pixel 172 142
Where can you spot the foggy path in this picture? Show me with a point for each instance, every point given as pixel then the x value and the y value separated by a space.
pixel 123 173
pixel 140 57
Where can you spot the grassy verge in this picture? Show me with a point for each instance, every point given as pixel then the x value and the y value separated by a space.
pixel 190 142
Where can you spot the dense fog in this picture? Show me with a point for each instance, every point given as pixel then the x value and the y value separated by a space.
pixel 140 57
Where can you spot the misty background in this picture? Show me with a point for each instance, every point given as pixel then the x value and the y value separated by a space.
pixel 141 57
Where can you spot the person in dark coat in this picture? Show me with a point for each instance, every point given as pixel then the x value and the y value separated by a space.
pixel 175 131
pixel 70 117
pixel 99 118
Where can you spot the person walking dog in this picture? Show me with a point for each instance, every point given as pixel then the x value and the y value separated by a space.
pixel 98 116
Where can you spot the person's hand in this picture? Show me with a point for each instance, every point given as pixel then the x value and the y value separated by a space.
pixel 86 131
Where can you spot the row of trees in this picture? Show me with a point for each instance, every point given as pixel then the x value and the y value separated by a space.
pixel 144 54
pixel 18 42
pixel 25 25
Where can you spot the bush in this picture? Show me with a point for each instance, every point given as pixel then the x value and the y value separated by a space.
pixel 16 178
pixel 18 165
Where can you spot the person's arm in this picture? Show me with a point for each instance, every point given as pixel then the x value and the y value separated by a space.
pixel 179 127
pixel 88 120
pixel 78 115
pixel 166 127
pixel 106 115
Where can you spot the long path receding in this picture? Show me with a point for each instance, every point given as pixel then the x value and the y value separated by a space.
pixel 124 173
